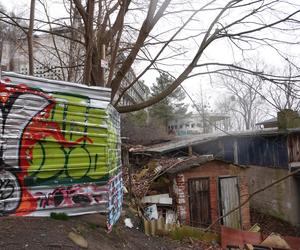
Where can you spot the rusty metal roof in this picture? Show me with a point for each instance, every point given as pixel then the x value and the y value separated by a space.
pixel 195 162
pixel 178 143
pixel 181 142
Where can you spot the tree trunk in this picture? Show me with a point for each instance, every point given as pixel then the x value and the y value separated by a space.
pixel 29 37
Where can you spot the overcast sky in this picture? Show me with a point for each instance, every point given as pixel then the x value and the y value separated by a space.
pixel 220 51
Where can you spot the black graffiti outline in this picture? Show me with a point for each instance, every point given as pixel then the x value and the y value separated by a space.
pixel 12 183
pixel 4 186
pixel 5 109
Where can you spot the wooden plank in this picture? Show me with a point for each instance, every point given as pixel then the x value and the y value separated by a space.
pixel 199 202
pixel 230 200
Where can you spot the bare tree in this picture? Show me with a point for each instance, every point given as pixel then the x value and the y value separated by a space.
pixel 285 95
pixel 225 105
pixel 246 98
pixel 139 33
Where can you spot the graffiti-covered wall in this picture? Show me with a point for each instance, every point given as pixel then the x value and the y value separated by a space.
pixel 60 149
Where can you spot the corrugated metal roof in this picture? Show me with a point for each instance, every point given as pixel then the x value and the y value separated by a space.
pixel 195 162
pixel 181 142
pixel 48 85
pixel 178 143
pixel 272 120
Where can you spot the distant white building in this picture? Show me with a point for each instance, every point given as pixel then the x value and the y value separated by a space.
pixel 195 124
pixel 52 65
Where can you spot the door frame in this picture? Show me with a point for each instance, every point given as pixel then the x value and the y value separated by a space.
pixel 220 198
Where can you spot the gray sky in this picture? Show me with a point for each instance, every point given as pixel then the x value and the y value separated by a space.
pixel 220 51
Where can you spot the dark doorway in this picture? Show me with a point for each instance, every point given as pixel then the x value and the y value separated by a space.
pixel 199 201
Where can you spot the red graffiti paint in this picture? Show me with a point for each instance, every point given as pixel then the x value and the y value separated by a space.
pixel 39 128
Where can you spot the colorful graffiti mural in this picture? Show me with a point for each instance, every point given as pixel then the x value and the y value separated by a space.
pixel 59 152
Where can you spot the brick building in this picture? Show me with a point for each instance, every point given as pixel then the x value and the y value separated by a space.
pixel 207 189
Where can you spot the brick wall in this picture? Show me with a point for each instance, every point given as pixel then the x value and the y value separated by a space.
pixel 180 191
pixel 213 170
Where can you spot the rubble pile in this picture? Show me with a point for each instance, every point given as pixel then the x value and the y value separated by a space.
pixel 270 224
pixel 142 178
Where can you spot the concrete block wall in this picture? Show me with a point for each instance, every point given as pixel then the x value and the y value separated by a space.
pixel 281 200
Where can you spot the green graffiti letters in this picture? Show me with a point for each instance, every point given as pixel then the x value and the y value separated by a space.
pixel 88 148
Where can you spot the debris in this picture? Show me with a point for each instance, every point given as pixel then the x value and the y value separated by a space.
pixel 125 190
pixel 141 174
pixel 128 223
pixel 271 224
pixel 153 226
pixel 146 227
pixel 158 199
pixel 275 241
pixel 255 228
pixel 160 225
pixel 151 212
pixel 144 178
pixel 78 239
pixel 158 169
pixel 170 217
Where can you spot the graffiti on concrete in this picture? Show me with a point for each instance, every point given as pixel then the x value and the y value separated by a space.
pixel 57 150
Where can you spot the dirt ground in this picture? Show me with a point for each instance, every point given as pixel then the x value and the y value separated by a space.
pixel 46 233
pixel 34 233
pixel 271 224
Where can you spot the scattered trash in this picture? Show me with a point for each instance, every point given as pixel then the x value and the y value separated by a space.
pixel 151 212
pixel 275 241
pixel 170 217
pixel 78 240
pixel 128 223
pixel 255 228
pixel 158 169
pixel 158 199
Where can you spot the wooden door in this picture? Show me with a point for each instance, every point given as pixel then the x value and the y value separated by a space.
pixel 199 201
pixel 230 199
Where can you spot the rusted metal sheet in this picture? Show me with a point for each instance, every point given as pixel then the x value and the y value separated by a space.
pixel 230 199
pixel 60 149
pixel 199 201
pixel 294 147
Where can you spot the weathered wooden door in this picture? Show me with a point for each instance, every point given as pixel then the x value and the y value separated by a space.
pixel 199 202
pixel 230 199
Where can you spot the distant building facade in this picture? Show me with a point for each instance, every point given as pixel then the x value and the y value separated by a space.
pixel 195 124
pixel 60 66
